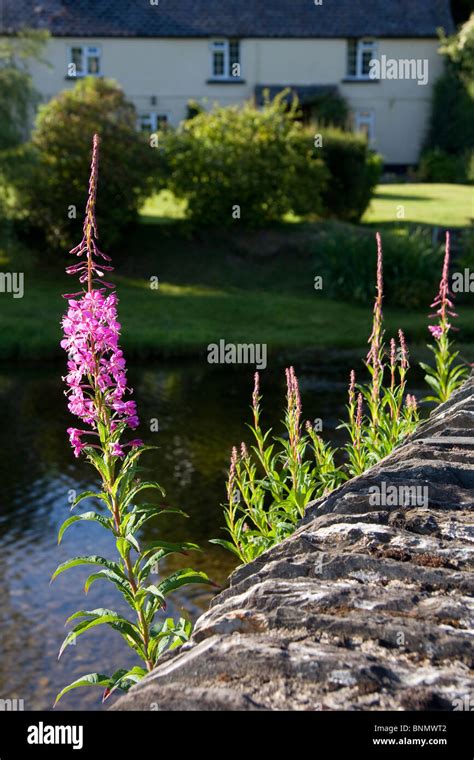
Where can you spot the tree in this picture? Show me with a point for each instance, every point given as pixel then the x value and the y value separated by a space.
pixel 450 140
pixel 17 94
pixel 53 191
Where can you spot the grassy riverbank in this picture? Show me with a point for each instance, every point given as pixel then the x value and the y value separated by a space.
pixel 250 288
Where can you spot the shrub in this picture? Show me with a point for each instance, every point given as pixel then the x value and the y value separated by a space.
pixel 451 126
pixel 355 170
pixel 242 157
pixel 345 259
pixel 438 166
pixel 331 109
pixel 54 189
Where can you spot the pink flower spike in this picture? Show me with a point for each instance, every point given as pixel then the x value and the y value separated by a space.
pixel 96 378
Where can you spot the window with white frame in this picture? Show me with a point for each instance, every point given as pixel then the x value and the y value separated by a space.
pixel 84 60
pixel 359 55
pixel 364 121
pixel 225 59
pixel 152 121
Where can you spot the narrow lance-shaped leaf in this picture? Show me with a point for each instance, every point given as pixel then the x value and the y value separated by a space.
pixel 88 560
pixel 87 516
pixel 91 679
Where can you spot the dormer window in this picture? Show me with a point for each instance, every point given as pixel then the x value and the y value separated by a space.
pixel 225 59
pixel 359 55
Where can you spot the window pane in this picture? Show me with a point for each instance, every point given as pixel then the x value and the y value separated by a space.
pixel 161 121
pixel 218 64
pixel 351 58
pixel 367 56
pixel 93 65
pixel 77 58
pixel 234 52
pixel 144 122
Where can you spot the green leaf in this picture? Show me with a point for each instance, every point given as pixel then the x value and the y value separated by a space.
pixel 169 635
pixel 91 679
pixel 154 591
pixel 123 585
pixel 123 546
pixel 100 617
pixel 89 560
pixel 96 459
pixel 97 613
pixel 226 544
pixel 156 551
pixel 147 485
pixel 182 578
pixel 125 680
pixel 88 516
pixel 134 454
pixel 133 521
pixel 90 495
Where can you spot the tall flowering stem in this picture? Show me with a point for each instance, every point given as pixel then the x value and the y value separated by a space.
pixel 382 415
pixel 270 484
pixel 376 353
pixel 98 395
pixel 446 375
pixel 293 423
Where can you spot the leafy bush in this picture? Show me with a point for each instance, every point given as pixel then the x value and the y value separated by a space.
pixel 452 115
pixel 355 170
pixel 330 109
pixel 459 48
pixel 242 162
pixel 438 166
pixel 345 260
pixel 53 190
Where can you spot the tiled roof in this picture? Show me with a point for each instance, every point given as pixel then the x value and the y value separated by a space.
pixel 239 18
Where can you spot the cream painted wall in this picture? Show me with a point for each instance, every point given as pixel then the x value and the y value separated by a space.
pixel 175 71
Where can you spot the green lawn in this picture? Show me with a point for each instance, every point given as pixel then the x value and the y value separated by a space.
pixel 208 291
pixel 421 203
pixel 432 204
pixel 183 319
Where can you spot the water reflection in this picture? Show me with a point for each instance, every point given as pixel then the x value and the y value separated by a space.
pixel 201 413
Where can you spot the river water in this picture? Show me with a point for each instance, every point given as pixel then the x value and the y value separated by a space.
pixel 201 412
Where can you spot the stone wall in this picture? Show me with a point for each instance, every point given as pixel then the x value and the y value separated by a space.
pixel 364 607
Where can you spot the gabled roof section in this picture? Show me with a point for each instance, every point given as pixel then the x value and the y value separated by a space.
pixel 230 18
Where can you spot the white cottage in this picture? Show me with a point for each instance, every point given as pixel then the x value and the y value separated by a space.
pixel 380 55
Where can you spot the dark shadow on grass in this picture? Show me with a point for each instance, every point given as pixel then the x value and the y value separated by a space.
pixel 398 197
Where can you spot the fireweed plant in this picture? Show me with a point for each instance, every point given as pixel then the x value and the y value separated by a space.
pixel 98 395
pixel 269 487
pixel 380 414
pixel 446 375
